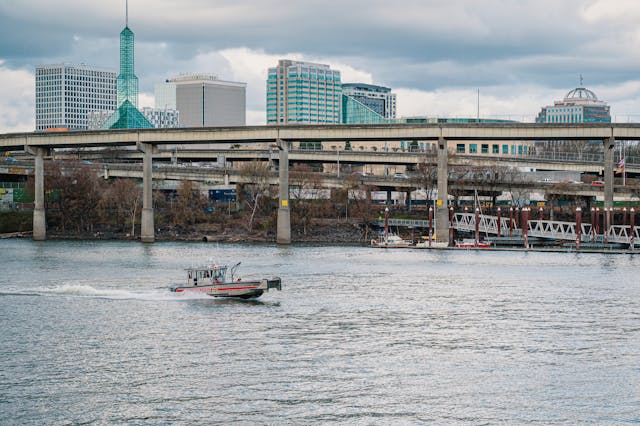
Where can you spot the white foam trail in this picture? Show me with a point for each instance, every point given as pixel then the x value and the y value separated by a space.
pixel 158 294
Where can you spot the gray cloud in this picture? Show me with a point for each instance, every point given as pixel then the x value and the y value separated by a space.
pixel 407 32
pixel 418 44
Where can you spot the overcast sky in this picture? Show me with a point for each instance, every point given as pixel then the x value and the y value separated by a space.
pixel 435 54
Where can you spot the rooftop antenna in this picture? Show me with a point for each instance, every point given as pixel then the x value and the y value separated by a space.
pixel 580 80
pixel 126 14
pixel 478 111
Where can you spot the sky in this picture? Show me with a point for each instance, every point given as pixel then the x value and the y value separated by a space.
pixel 439 56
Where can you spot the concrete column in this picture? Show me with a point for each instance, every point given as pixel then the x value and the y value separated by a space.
pixel 389 200
pixel 39 217
pixel 442 210
pixel 609 145
pixel 283 233
pixel 147 231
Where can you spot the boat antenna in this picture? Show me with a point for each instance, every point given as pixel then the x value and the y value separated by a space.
pixel 233 269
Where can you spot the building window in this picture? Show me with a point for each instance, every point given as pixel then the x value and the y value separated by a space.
pixel 495 149
pixel 473 148
pixel 460 148
pixel 485 148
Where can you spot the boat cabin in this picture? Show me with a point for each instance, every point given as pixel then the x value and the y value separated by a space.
pixel 207 275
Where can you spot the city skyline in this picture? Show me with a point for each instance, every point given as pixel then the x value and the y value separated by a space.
pixel 434 56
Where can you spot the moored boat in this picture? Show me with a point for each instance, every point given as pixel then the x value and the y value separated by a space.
pixel 471 243
pixel 390 241
pixel 433 244
pixel 213 281
pixel 387 239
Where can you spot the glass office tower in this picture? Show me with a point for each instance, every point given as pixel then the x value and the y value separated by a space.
pixel 303 93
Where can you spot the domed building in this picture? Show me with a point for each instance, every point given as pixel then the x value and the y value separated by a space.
pixel 580 105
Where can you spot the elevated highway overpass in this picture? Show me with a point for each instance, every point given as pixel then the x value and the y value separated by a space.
pixel 560 161
pixel 148 141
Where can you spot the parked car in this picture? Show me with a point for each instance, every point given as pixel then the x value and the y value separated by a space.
pixel 400 176
pixel 359 174
pixel 597 183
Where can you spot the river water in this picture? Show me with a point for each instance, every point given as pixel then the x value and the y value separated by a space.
pixel 90 334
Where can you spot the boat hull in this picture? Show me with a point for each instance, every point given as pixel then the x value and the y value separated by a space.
pixel 472 244
pixel 240 289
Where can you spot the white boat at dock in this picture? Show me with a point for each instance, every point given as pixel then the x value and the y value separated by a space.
pixel 212 280
pixel 469 243
pixel 391 241
pixel 387 239
pixel 434 244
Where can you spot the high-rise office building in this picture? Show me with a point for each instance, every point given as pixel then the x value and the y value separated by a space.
pixel 367 103
pixel 303 92
pixel 159 118
pixel 65 93
pixel 203 100
pixel 162 118
pixel 580 105
pixel 127 116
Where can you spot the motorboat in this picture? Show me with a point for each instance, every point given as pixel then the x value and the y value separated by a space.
pixel 433 244
pixel 471 243
pixel 390 241
pixel 387 239
pixel 213 280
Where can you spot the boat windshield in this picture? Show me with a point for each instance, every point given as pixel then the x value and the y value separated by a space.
pixel 218 273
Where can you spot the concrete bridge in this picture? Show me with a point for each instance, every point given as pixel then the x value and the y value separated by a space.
pixel 147 142
pixel 382 183
pixel 560 161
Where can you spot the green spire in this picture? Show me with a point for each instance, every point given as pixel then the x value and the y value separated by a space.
pixel 127 115
pixel 127 82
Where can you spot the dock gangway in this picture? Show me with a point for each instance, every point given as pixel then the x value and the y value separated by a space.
pixel 549 229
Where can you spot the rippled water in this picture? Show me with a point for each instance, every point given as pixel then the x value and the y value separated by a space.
pixel 90 334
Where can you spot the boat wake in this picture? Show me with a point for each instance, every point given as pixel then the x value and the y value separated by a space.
pixel 77 290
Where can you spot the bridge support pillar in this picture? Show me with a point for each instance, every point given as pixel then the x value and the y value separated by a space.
pixel 147 229
pixel 442 210
pixel 283 232
pixel 609 147
pixel 39 215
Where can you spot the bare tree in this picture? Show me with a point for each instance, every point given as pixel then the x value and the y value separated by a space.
pixel 121 200
pixel 188 207
pixel 427 174
pixel 73 192
pixel 256 174
pixel 306 191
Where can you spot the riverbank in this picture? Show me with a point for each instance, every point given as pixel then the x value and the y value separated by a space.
pixel 338 232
